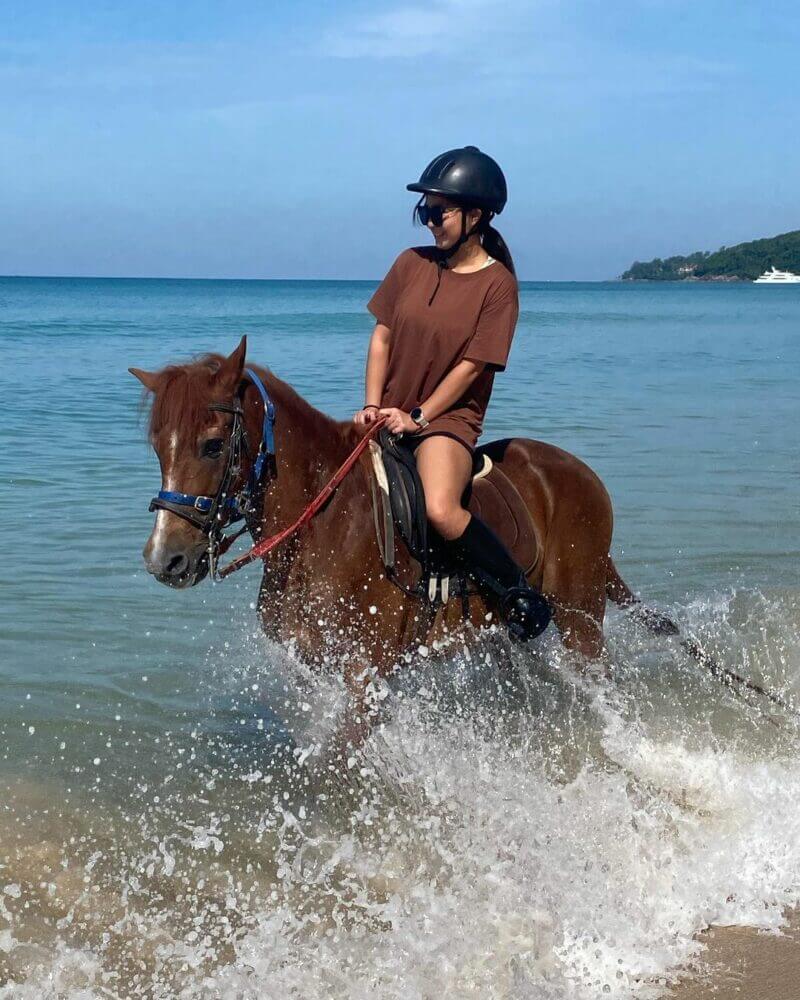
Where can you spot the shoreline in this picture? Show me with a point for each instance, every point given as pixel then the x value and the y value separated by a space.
pixel 743 963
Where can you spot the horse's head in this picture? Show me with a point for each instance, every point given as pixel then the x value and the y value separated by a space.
pixel 192 420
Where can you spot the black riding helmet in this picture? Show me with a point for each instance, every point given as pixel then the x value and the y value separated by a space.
pixel 470 178
pixel 465 175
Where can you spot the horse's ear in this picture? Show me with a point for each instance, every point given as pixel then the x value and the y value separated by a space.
pixel 148 379
pixel 232 367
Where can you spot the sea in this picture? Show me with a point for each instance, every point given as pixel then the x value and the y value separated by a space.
pixel 522 825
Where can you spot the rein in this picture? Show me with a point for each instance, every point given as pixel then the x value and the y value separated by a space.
pixel 264 547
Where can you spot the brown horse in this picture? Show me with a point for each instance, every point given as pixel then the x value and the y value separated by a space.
pixel 326 588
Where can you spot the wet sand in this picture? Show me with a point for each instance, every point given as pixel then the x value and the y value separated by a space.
pixel 742 964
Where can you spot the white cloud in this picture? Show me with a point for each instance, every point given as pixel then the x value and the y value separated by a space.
pixel 440 28
pixel 512 45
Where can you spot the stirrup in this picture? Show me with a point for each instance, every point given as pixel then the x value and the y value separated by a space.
pixel 526 611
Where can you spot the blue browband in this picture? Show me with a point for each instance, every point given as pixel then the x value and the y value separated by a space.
pixel 237 503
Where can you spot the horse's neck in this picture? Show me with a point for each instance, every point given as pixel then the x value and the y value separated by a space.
pixel 309 447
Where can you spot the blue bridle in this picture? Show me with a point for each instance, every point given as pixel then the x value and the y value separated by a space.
pixel 206 513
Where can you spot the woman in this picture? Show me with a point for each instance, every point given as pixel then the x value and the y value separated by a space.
pixel 445 318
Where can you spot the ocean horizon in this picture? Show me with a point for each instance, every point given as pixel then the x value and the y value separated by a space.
pixel 375 280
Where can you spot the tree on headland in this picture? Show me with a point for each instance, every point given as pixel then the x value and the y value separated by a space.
pixel 746 261
pixel 670 269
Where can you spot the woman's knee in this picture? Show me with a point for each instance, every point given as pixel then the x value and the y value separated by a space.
pixel 448 517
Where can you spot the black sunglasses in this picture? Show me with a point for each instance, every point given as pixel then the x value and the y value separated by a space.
pixel 433 213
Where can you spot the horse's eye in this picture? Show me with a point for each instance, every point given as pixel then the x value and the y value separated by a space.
pixel 213 448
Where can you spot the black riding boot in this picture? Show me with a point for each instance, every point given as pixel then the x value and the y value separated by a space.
pixel 489 561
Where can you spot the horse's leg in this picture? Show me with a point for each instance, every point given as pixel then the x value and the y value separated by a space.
pixel 361 713
pixel 268 608
pixel 362 708
pixel 398 625
pixel 580 631
pixel 575 584
pixel 271 595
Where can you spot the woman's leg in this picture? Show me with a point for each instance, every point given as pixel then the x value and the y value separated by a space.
pixel 444 466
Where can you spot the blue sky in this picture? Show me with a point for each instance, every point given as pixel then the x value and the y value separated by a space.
pixel 249 139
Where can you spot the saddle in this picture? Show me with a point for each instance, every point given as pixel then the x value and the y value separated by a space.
pixel 399 505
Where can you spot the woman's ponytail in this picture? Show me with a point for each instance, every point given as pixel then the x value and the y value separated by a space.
pixel 492 242
pixel 495 245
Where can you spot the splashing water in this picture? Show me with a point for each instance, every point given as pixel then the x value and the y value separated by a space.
pixel 515 828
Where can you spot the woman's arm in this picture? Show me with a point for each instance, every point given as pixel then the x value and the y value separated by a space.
pixel 451 388
pixel 377 363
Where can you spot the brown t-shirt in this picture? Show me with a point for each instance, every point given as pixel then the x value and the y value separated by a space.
pixel 471 316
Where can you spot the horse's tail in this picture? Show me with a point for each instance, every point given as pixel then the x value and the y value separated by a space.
pixel 620 593
pixel 616 589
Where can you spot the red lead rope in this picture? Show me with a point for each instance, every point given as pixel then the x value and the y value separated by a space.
pixel 266 545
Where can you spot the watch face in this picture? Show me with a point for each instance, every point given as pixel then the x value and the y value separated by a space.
pixel 416 414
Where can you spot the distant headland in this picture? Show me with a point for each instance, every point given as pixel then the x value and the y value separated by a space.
pixel 744 262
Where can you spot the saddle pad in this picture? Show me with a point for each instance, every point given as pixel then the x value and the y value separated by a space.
pixel 496 500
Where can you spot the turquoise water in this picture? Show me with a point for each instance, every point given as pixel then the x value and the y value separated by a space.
pixel 132 717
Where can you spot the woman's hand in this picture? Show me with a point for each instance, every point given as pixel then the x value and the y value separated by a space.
pixel 398 422
pixel 362 418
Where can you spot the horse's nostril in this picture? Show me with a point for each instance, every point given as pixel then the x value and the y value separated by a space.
pixel 178 565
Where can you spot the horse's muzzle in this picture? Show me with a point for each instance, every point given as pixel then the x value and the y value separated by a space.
pixel 178 569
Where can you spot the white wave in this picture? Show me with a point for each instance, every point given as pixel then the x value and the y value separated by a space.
pixel 552 835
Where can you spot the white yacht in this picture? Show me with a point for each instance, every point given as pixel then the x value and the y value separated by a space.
pixel 776 277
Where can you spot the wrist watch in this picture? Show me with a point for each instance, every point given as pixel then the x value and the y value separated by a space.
pixel 419 418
